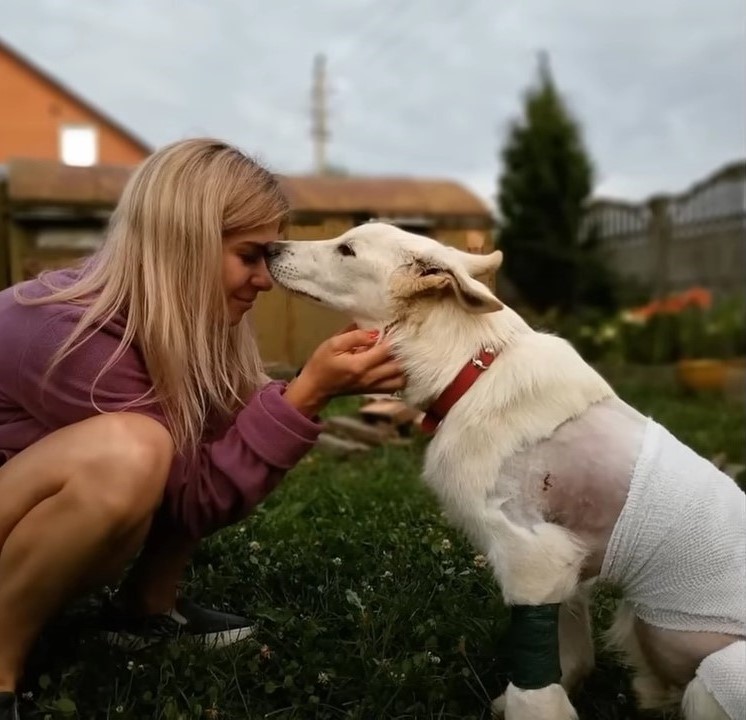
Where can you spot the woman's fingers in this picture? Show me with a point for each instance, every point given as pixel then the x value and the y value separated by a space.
pixel 378 366
pixel 354 362
pixel 348 341
pixel 373 356
pixel 386 377
pixel 388 385
pixel 349 328
pixel 384 371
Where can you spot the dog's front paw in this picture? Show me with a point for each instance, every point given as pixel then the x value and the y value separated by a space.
pixel 498 706
pixel 549 703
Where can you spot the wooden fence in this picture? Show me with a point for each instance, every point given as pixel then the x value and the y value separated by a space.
pixel 671 242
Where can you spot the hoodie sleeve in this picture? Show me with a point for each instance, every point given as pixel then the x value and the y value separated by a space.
pixel 206 490
pixel 232 475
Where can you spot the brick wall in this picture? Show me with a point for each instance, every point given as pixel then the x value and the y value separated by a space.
pixel 32 111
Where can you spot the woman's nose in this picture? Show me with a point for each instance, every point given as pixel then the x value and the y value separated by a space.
pixel 261 279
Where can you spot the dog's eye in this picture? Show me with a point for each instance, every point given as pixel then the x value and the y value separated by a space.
pixel 346 250
pixel 431 271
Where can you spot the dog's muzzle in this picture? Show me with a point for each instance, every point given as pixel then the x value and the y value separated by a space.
pixel 273 251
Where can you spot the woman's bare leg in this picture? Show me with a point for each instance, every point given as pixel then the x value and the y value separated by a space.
pixel 152 585
pixel 72 502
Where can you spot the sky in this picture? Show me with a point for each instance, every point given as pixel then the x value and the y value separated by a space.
pixel 415 87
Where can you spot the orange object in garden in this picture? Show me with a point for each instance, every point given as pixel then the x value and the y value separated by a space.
pixel 696 297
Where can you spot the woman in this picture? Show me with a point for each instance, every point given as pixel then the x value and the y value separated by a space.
pixel 134 413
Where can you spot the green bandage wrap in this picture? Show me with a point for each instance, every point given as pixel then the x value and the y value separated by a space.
pixel 534 639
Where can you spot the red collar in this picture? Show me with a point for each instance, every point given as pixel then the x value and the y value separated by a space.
pixel 453 393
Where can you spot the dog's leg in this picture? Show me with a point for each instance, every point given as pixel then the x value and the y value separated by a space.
pixel 651 692
pixel 577 656
pixel 718 692
pixel 700 704
pixel 534 566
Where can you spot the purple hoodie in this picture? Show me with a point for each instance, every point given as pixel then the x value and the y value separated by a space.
pixel 215 487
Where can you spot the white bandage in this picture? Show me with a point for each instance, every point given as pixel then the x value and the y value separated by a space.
pixel 678 548
pixel 724 675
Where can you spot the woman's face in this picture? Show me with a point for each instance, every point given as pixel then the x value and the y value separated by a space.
pixel 245 272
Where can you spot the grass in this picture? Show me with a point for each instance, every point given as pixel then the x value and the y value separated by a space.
pixel 368 606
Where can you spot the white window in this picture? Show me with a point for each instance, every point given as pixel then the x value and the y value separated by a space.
pixel 79 144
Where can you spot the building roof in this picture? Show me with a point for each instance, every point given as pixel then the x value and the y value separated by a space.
pixel 49 79
pixel 44 181
pixel 396 196
pixel 50 182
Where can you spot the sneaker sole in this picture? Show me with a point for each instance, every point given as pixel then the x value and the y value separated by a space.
pixel 221 639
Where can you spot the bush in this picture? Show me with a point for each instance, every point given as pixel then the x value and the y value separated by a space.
pixel 659 333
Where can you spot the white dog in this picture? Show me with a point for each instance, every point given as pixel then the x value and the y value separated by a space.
pixel 553 477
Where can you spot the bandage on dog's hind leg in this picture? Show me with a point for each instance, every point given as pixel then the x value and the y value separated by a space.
pixel 534 639
pixel 722 676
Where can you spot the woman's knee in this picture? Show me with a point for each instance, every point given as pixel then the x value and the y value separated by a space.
pixel 123 467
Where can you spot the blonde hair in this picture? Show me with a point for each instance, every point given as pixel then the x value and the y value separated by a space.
pixel 160 267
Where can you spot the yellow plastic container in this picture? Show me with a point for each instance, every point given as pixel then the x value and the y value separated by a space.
pixel 702 374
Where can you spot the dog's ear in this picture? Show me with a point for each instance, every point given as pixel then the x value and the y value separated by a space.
pixel 477 265
pixel 471 294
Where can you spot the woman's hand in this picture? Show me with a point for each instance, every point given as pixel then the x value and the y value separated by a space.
pixel 349 363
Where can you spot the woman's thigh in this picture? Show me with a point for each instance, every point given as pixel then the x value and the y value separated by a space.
pixel 119 461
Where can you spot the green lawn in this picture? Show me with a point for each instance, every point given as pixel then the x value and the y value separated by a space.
pixel 367 604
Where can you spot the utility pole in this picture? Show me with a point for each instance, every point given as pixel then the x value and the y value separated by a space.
pixel 319 126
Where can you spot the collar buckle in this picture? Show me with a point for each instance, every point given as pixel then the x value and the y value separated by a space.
pixel 477 361
pixel 468 375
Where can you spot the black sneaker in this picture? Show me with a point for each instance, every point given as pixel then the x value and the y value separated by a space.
pixel 214 628
pixel 9 706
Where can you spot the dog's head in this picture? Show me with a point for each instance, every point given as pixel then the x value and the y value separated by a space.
pixel 375 271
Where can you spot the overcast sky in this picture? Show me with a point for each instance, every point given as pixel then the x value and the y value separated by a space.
pixel 417 87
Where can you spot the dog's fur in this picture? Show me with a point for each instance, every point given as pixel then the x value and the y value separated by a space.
pixel 544 537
